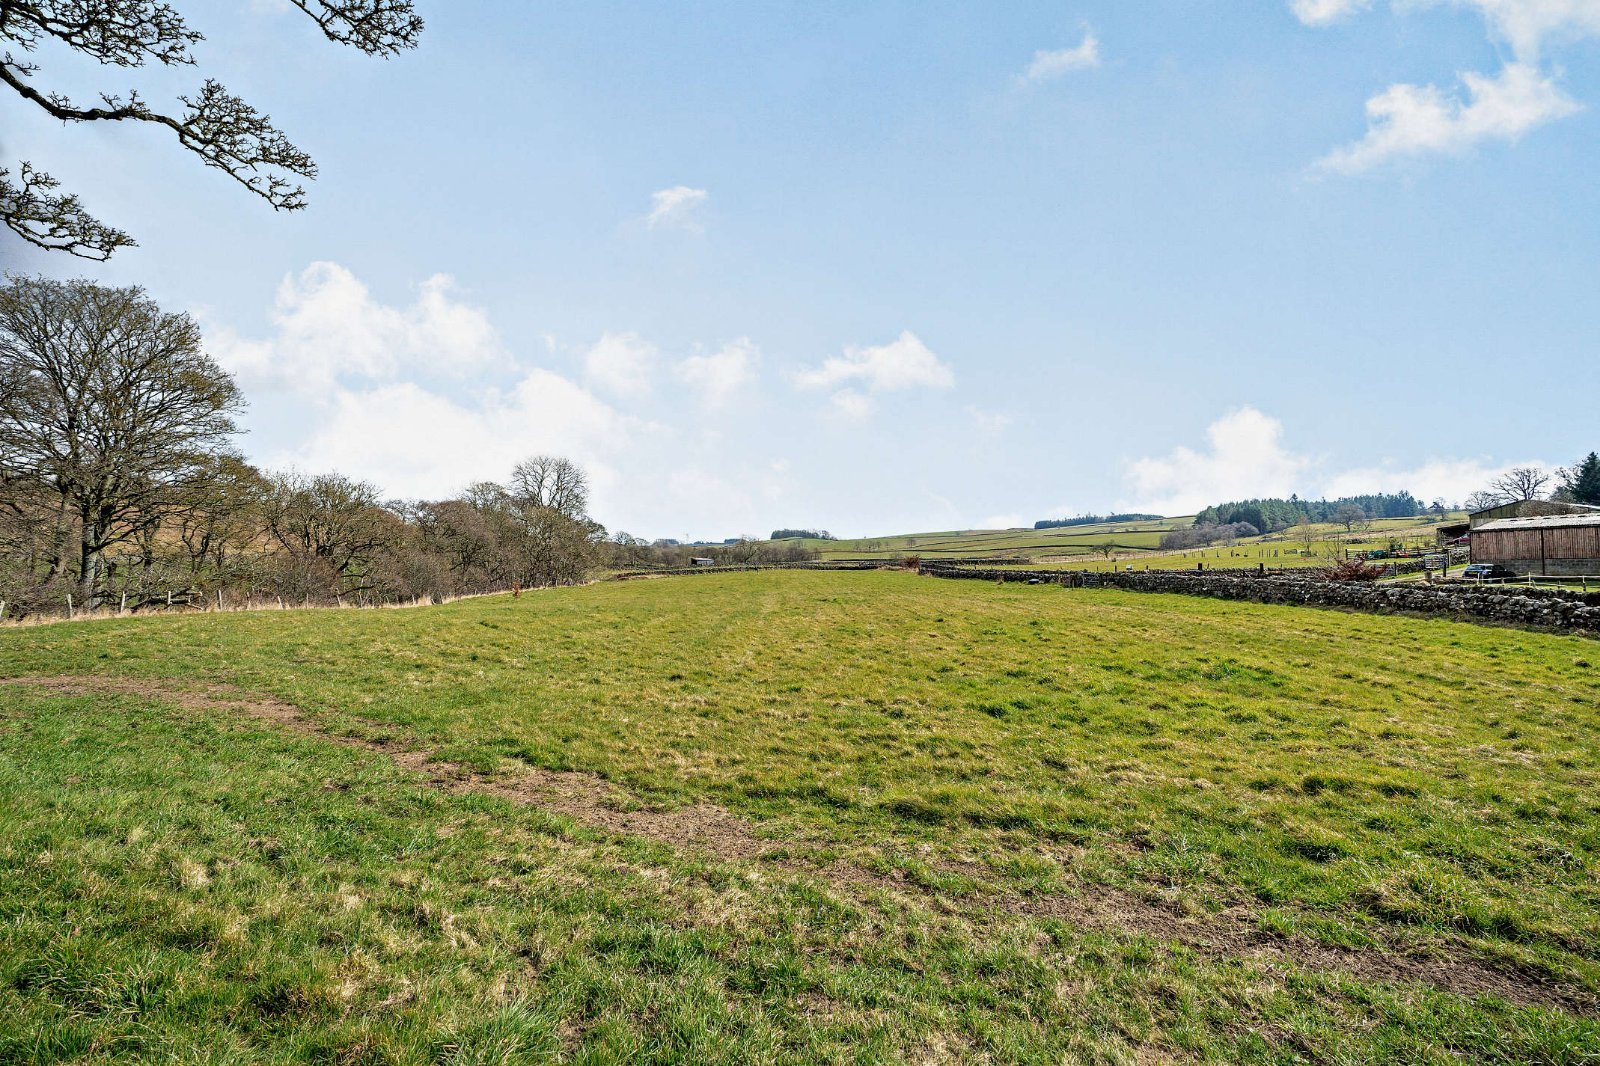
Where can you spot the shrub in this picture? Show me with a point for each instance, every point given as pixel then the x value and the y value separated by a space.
pixel 1351 570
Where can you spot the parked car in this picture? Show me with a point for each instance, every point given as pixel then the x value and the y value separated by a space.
pixel 1485 572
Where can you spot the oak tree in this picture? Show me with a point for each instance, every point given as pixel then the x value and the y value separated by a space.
pixel 111 406
pixel 1520 483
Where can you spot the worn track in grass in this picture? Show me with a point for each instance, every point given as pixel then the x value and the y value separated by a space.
pixel 591 800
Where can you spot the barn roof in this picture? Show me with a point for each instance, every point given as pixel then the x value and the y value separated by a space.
pixel 1529 509
pixel 1555 521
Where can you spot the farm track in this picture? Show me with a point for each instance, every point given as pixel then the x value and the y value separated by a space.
pixel 598 804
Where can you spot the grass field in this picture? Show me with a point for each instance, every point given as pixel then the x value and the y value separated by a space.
pixel 792 816
pixel 1014 542
pixel 1131 543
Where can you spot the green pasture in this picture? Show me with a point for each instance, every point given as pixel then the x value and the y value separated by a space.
pixel 1131 543
pixel 943 778
pixel 1067 539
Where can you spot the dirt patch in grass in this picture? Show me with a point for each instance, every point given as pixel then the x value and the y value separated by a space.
pixel 587 798
pixel 595 802
pixel 1235 934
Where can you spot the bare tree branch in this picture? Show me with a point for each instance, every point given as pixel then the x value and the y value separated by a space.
pixel 227 133
pixel 128 33
pixel 59 223
pixel 1520 483
pixel 376 27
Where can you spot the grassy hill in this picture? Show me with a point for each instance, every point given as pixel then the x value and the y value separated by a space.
pixel 791 816
pixel 1130 543
pixel 1068 540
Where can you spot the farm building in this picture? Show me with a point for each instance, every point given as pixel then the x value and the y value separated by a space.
pixel 1552 544
pixel 1528 509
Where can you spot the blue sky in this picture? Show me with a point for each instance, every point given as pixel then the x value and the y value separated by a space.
pixel 892 267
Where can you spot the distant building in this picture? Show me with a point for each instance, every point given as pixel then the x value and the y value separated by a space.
pixel 1548 544
pixel 702 561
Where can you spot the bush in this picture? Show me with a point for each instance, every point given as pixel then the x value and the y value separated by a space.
pixel 1351 570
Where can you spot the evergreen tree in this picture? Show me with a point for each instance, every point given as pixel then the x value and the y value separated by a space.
pixel 1582 482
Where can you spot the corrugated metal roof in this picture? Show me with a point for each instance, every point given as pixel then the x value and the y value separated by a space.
pixel 1555 521
pixel 1555 507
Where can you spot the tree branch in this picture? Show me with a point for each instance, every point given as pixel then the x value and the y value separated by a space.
pixel 220 128
pixel 376 27
pixel 227 133
pixel 128 33
pixel 58 223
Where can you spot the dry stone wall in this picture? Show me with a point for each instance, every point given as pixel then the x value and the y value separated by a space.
pixel 1550 608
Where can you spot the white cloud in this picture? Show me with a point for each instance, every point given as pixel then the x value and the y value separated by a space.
pixel 404 396
pixel 989 423
pixel 623 364
pixel 1003 521
pixel 745 492
pixel 852 404
pixel 1526 25
pixel 1047 65
pixel 903 363
pixel 411 441
pixel 1323 12
pixel 677 208
pixel 1245 458
pixel 720 375
pixel 1451 480
pixel 329 328
pixel 1412 120
pixel 1407 120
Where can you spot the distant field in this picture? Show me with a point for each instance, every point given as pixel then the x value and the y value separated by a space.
pixel 1069 539
pixel 794 816
pixel 1131 543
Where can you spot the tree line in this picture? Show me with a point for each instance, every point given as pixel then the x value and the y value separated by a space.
pixel 1274 515
pixel 1093 520
pixel 120 485
pixel 1206 534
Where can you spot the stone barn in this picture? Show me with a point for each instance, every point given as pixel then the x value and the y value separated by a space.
pixel 1553 544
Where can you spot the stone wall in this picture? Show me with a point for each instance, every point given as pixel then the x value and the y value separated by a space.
pixel 736 568
pixel 1552 608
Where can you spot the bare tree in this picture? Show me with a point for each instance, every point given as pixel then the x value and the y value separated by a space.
pixel 1520 483
pixel 110 404
pixel 331 530
pixel 1350 515
pixel 1482 500
pixel 552 482
pixel 222 129
pixel 1306 534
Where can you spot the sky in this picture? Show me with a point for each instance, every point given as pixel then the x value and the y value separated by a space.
pixel 888 267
